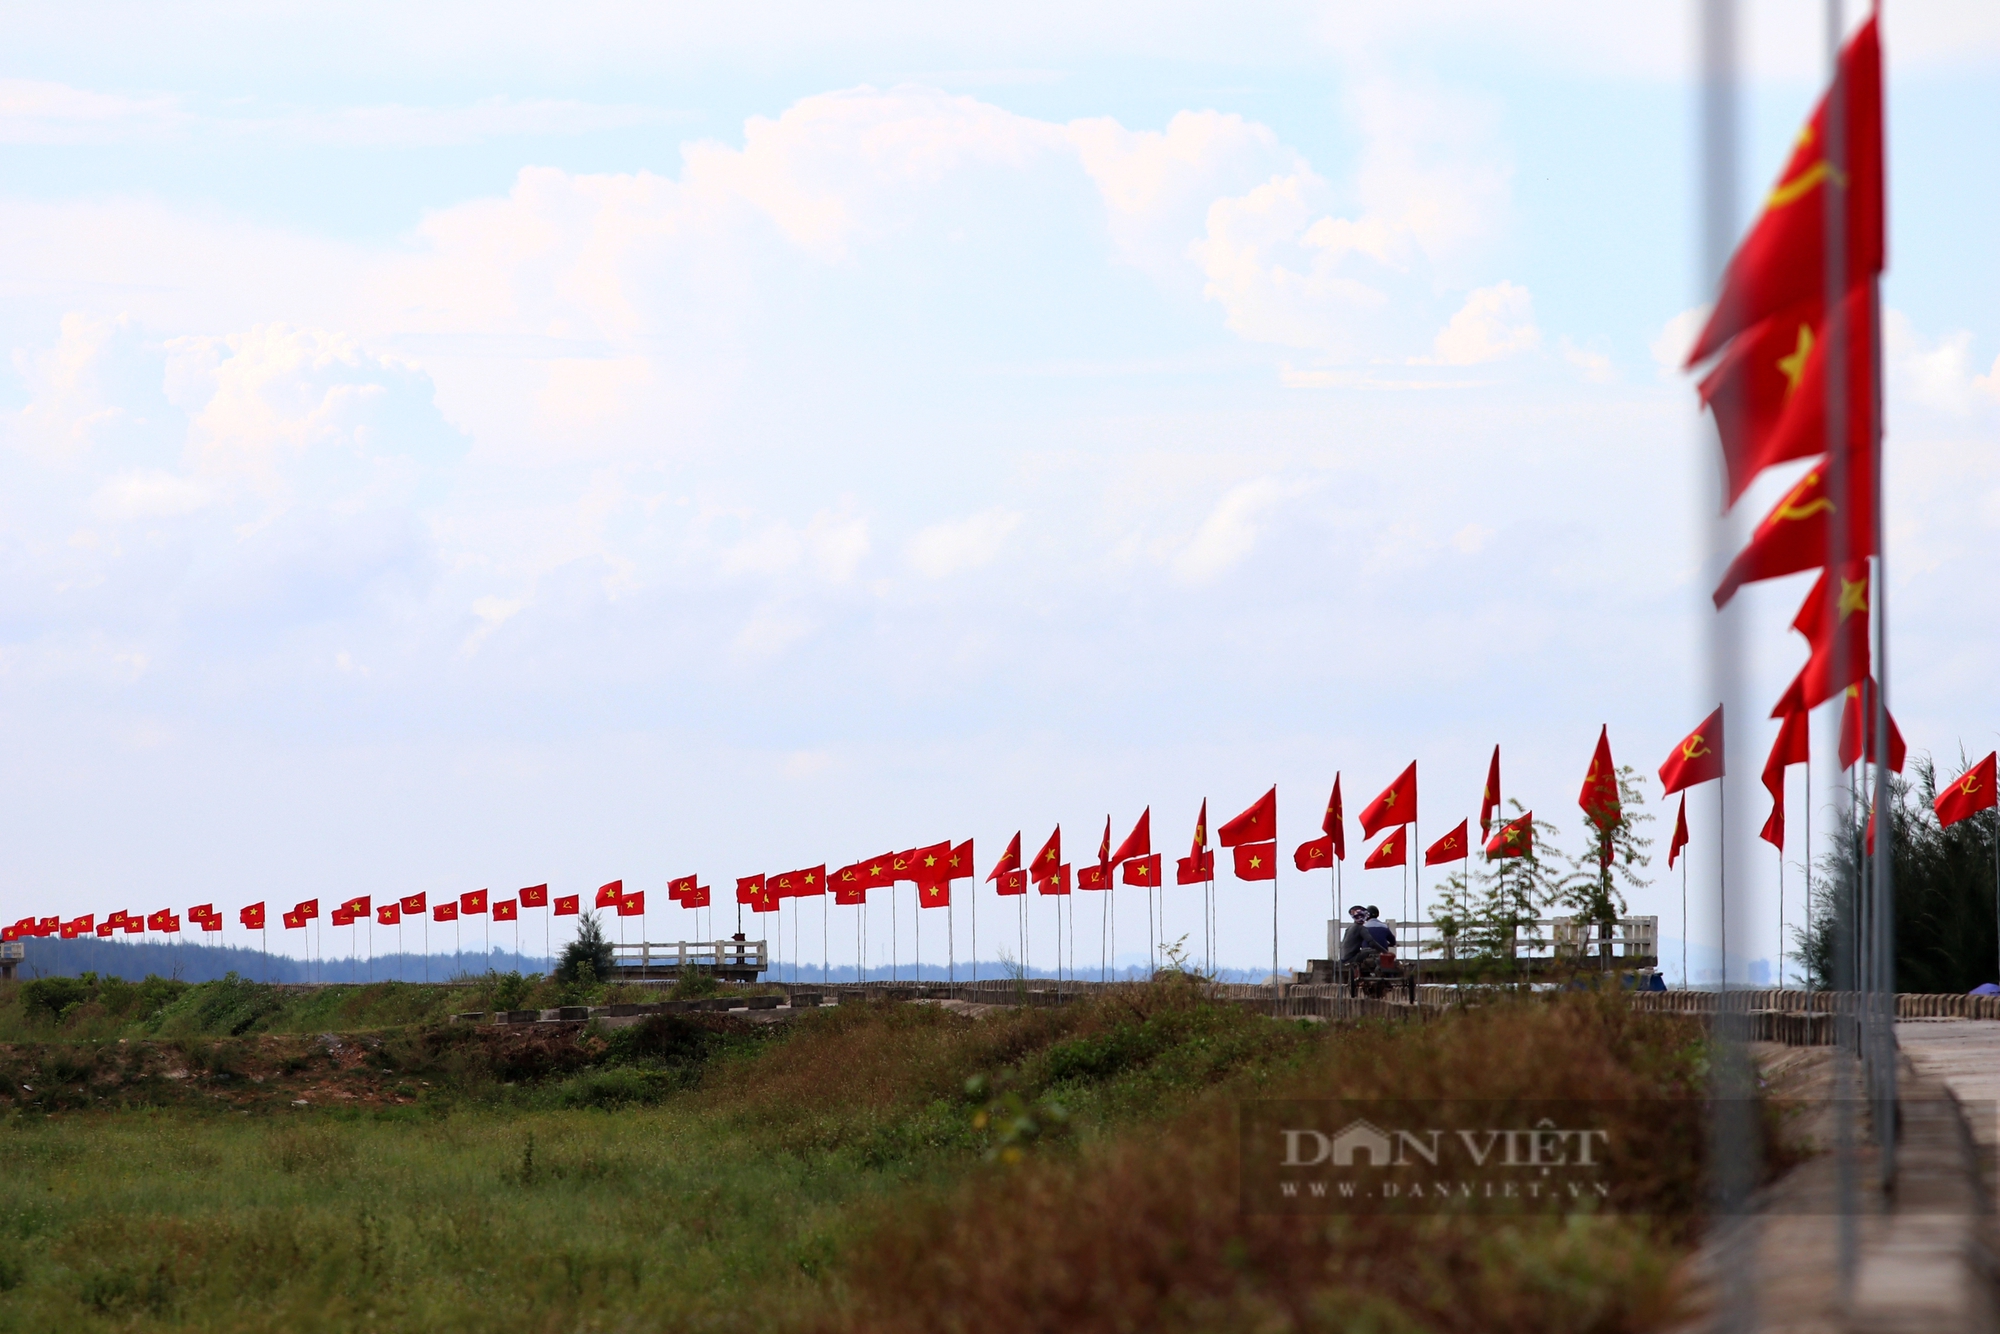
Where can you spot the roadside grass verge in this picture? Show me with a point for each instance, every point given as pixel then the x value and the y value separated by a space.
pixel 862 1167
pixel 1143 1230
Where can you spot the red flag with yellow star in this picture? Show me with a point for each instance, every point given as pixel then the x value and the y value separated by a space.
pixel 1970 793
pixel 1397 804
pixel 1055 882
pixel 879 872
pixel 1782 260
pixel 1143 870
pixel 929 866
pixel 1256 861
pixel 1258 824
pixel 1768 392
pixel 1334 823
pixel 1049 859
pixel 1697 759
pixel 1852 730
pixel 1516 838
pixel 1391 851
pixel 1834 620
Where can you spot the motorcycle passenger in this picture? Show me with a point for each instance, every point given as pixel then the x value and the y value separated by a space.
pixel 1355 939
pixel 1378 930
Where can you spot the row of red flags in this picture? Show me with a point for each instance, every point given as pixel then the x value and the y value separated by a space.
pixel 1251 838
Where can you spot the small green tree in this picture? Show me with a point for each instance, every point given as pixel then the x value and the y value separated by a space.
pixel 1592 889
pixel 1943 882
pixel 1488 917
pixel 588 958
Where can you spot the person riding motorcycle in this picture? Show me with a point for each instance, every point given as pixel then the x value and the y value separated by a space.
pixel 1378 930
pixel 1355 938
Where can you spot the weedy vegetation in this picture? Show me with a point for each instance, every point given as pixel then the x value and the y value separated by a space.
pixel 241 1160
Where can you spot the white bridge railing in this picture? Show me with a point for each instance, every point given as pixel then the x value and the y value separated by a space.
pixel 730 956
pixel 1536 938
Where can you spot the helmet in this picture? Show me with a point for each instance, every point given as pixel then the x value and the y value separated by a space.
pixel 1374 911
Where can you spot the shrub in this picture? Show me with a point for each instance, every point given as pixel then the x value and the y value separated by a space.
pixel 50 996
pixel 588 958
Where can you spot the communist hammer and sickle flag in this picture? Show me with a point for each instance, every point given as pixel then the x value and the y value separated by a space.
pixel 1796 535
pixel 1783 259
pixel 1970 793
pixel 1697 758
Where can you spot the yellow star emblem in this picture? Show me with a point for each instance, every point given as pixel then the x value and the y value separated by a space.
pixel 931 860
pixel 1853 596
pixel 810 877
pixel 1256 862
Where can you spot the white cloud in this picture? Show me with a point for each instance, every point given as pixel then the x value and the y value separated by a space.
pixel 40 112
pixel 1671 345
pixel 1494 322
pixel 1289 270
pixel 1231 530
pixel 1596 366
pixel 147 494
pixel 1938 375
pixel 946 549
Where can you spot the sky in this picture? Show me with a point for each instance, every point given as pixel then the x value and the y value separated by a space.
pixel 457 446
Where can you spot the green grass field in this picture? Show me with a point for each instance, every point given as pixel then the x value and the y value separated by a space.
pixel 863 1167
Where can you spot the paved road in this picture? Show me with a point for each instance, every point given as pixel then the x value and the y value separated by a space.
pixel 1965 1054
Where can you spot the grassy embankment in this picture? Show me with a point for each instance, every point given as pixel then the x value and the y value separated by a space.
pixel 832 1173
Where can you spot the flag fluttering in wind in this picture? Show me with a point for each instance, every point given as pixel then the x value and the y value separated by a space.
pixel 1010 860
pixel 445 912
pixel 1851 730
pixel 1451 848
pixel 1680 838
pixel 533 896
pixel 1396 805
pixel 1056 882
pixel 1143 870
pixel 472 904
pixel 1314 854
pixel 1768 391
pixel 1049 860
pixel 1698 757
pixel 1599 797
pixel 1970 793
pixel 1391 851
pixel 1196 868
pixel 1138 843
pixel 567 905
pixel 1782 262
pixel 507 910
pixel 414 905
pixel 1794 536
pixel 1834 621
pixel 1793 746
pixel 1489 797
pixel 607 895
pixel 1258 824
pixel 1516 838
pixel 1334 824
pixel 252 917
pixel 1256 861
